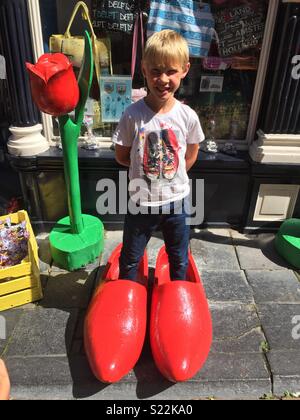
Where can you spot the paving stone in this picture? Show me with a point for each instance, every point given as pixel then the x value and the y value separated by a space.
pixel 279 322
pixel 153 247
pixel 43 331
pixel 8 321
pixel 223 375
pixel 239 375
pixel 212 256
pixel 35 378
pixel 236 328
pixel 224 366
pixel 262 257
pixel 52 377
pixel 44 252
pixel 274 286
pixel 250 342
pixel 111 240
pixel 69 290
pixel 223 286
pixel 285 367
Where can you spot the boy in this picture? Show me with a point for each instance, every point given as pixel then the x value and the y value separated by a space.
pixel 158 139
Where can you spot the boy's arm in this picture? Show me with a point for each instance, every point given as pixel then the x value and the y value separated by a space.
pixel 191 155
pixel 123 155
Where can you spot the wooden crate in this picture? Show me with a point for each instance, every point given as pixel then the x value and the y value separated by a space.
pixel 21 284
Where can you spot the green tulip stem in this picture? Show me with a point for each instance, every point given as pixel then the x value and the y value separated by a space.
pixel 70 132
pixel 69 135
pixel 77 239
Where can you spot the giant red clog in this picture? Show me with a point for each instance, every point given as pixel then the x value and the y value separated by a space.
pixel 180 326
pixel 115 325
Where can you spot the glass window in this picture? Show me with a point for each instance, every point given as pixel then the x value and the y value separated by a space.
pixel 220 84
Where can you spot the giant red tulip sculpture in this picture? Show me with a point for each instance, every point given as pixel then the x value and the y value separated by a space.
pixel 53 84
pixel 76 240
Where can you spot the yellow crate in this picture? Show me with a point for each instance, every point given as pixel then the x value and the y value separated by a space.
pixel 21 284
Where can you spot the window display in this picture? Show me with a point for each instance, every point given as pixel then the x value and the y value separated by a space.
pixel 220 86
pixel 225 39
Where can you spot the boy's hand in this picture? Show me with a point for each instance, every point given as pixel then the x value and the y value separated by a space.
pixel 123 155
pixel 191 155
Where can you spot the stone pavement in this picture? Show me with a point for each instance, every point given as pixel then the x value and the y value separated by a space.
pixel 254 298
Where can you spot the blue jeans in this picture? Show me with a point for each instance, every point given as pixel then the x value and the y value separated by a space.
pixel 138 230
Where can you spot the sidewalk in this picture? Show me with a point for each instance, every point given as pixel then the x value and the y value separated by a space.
pixel 254 298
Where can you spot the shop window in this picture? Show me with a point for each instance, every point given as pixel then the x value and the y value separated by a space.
pixel 220 86
pixel 221 83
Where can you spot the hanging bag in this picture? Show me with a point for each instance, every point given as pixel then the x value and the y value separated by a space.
pixel 140 93
pixel 73 46
pixel 192 19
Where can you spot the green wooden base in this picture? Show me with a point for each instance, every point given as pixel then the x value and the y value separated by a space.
pixel 73 251
pixel 287 241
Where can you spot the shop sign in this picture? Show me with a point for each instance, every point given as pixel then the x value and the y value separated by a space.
pixel 240 28
pixel 112 15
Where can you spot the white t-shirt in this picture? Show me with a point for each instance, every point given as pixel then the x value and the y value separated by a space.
pixel 158 146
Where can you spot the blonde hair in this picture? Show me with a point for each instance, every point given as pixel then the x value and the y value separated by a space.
pixel 166 46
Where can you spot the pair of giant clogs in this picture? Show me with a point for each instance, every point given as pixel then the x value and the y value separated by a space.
pixel 180 325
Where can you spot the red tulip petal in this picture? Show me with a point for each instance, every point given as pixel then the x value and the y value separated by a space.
pixel 33 69
pixel 53 84
pixel 51 64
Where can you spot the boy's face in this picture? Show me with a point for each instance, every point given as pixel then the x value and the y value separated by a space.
pixel 164 80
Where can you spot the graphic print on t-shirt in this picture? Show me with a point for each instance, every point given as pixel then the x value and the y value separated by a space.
pixel 160 154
